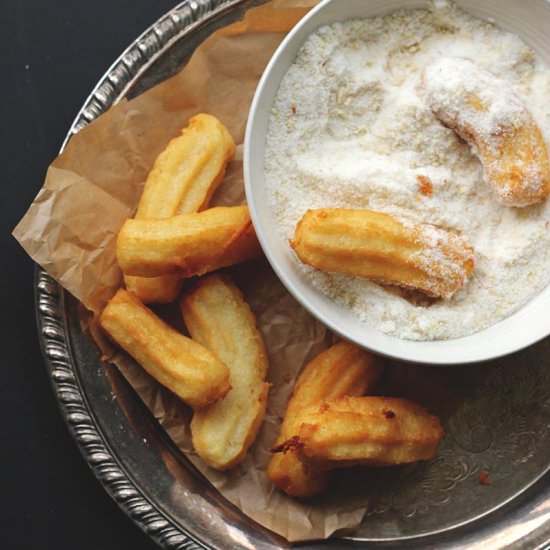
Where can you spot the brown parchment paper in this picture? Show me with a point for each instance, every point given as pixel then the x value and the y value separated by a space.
pixel 89 190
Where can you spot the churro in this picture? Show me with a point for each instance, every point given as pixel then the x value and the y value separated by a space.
pixel 485 112
pixel 185 367
pixel 343 369
pixel 188 244
pixel 217 317
pixel 384 248
pixel 372 431
pixel 183 179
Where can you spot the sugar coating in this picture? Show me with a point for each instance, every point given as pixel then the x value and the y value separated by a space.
pixel 450 81
pixel 442 255
pixel 474 102
pixel 350 128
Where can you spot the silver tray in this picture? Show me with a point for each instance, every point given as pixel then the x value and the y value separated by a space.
pixel 496 415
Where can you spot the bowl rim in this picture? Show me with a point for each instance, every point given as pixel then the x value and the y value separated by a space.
pixel 412 353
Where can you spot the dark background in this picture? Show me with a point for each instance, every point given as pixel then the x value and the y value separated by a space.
pixel 53 53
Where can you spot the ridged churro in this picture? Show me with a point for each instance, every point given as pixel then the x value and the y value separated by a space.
pixel 183 179
pixel 217 317
pixel 372 431
pixel 185 367
pixel 188 244
pixel 485 112
pixel 186 174
pixel 342 369
pixel 384 248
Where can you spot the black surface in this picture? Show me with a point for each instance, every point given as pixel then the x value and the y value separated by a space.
pixel 53 52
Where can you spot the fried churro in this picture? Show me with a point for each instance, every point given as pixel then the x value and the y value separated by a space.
pixel 384 248
pixel 183 366
pixel 485 112
pixel 217 317
pixel 183 179
pixel 188 244
pixel 372 431
pixel 343 369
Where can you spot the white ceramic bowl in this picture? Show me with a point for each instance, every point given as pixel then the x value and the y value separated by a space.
pixel 529 19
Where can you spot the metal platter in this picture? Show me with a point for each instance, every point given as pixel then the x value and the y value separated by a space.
pixel 497 415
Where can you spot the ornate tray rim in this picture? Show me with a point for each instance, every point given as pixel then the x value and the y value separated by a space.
pixel 50 298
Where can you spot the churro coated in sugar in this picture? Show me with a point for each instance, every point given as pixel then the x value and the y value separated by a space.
pixel 486 113
pixel 384 248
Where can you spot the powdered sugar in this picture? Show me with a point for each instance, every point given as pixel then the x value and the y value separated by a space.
pixel 443 255
pixel 351 128
pixel 452 83
pixel 486 113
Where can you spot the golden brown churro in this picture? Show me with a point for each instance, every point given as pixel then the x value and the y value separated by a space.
pixel 484 111
pixel 217 317
pixel 187 245
pixel 385 249
pixel 185 367
pixel 343 369
pixel 372 431
pixel 183 179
